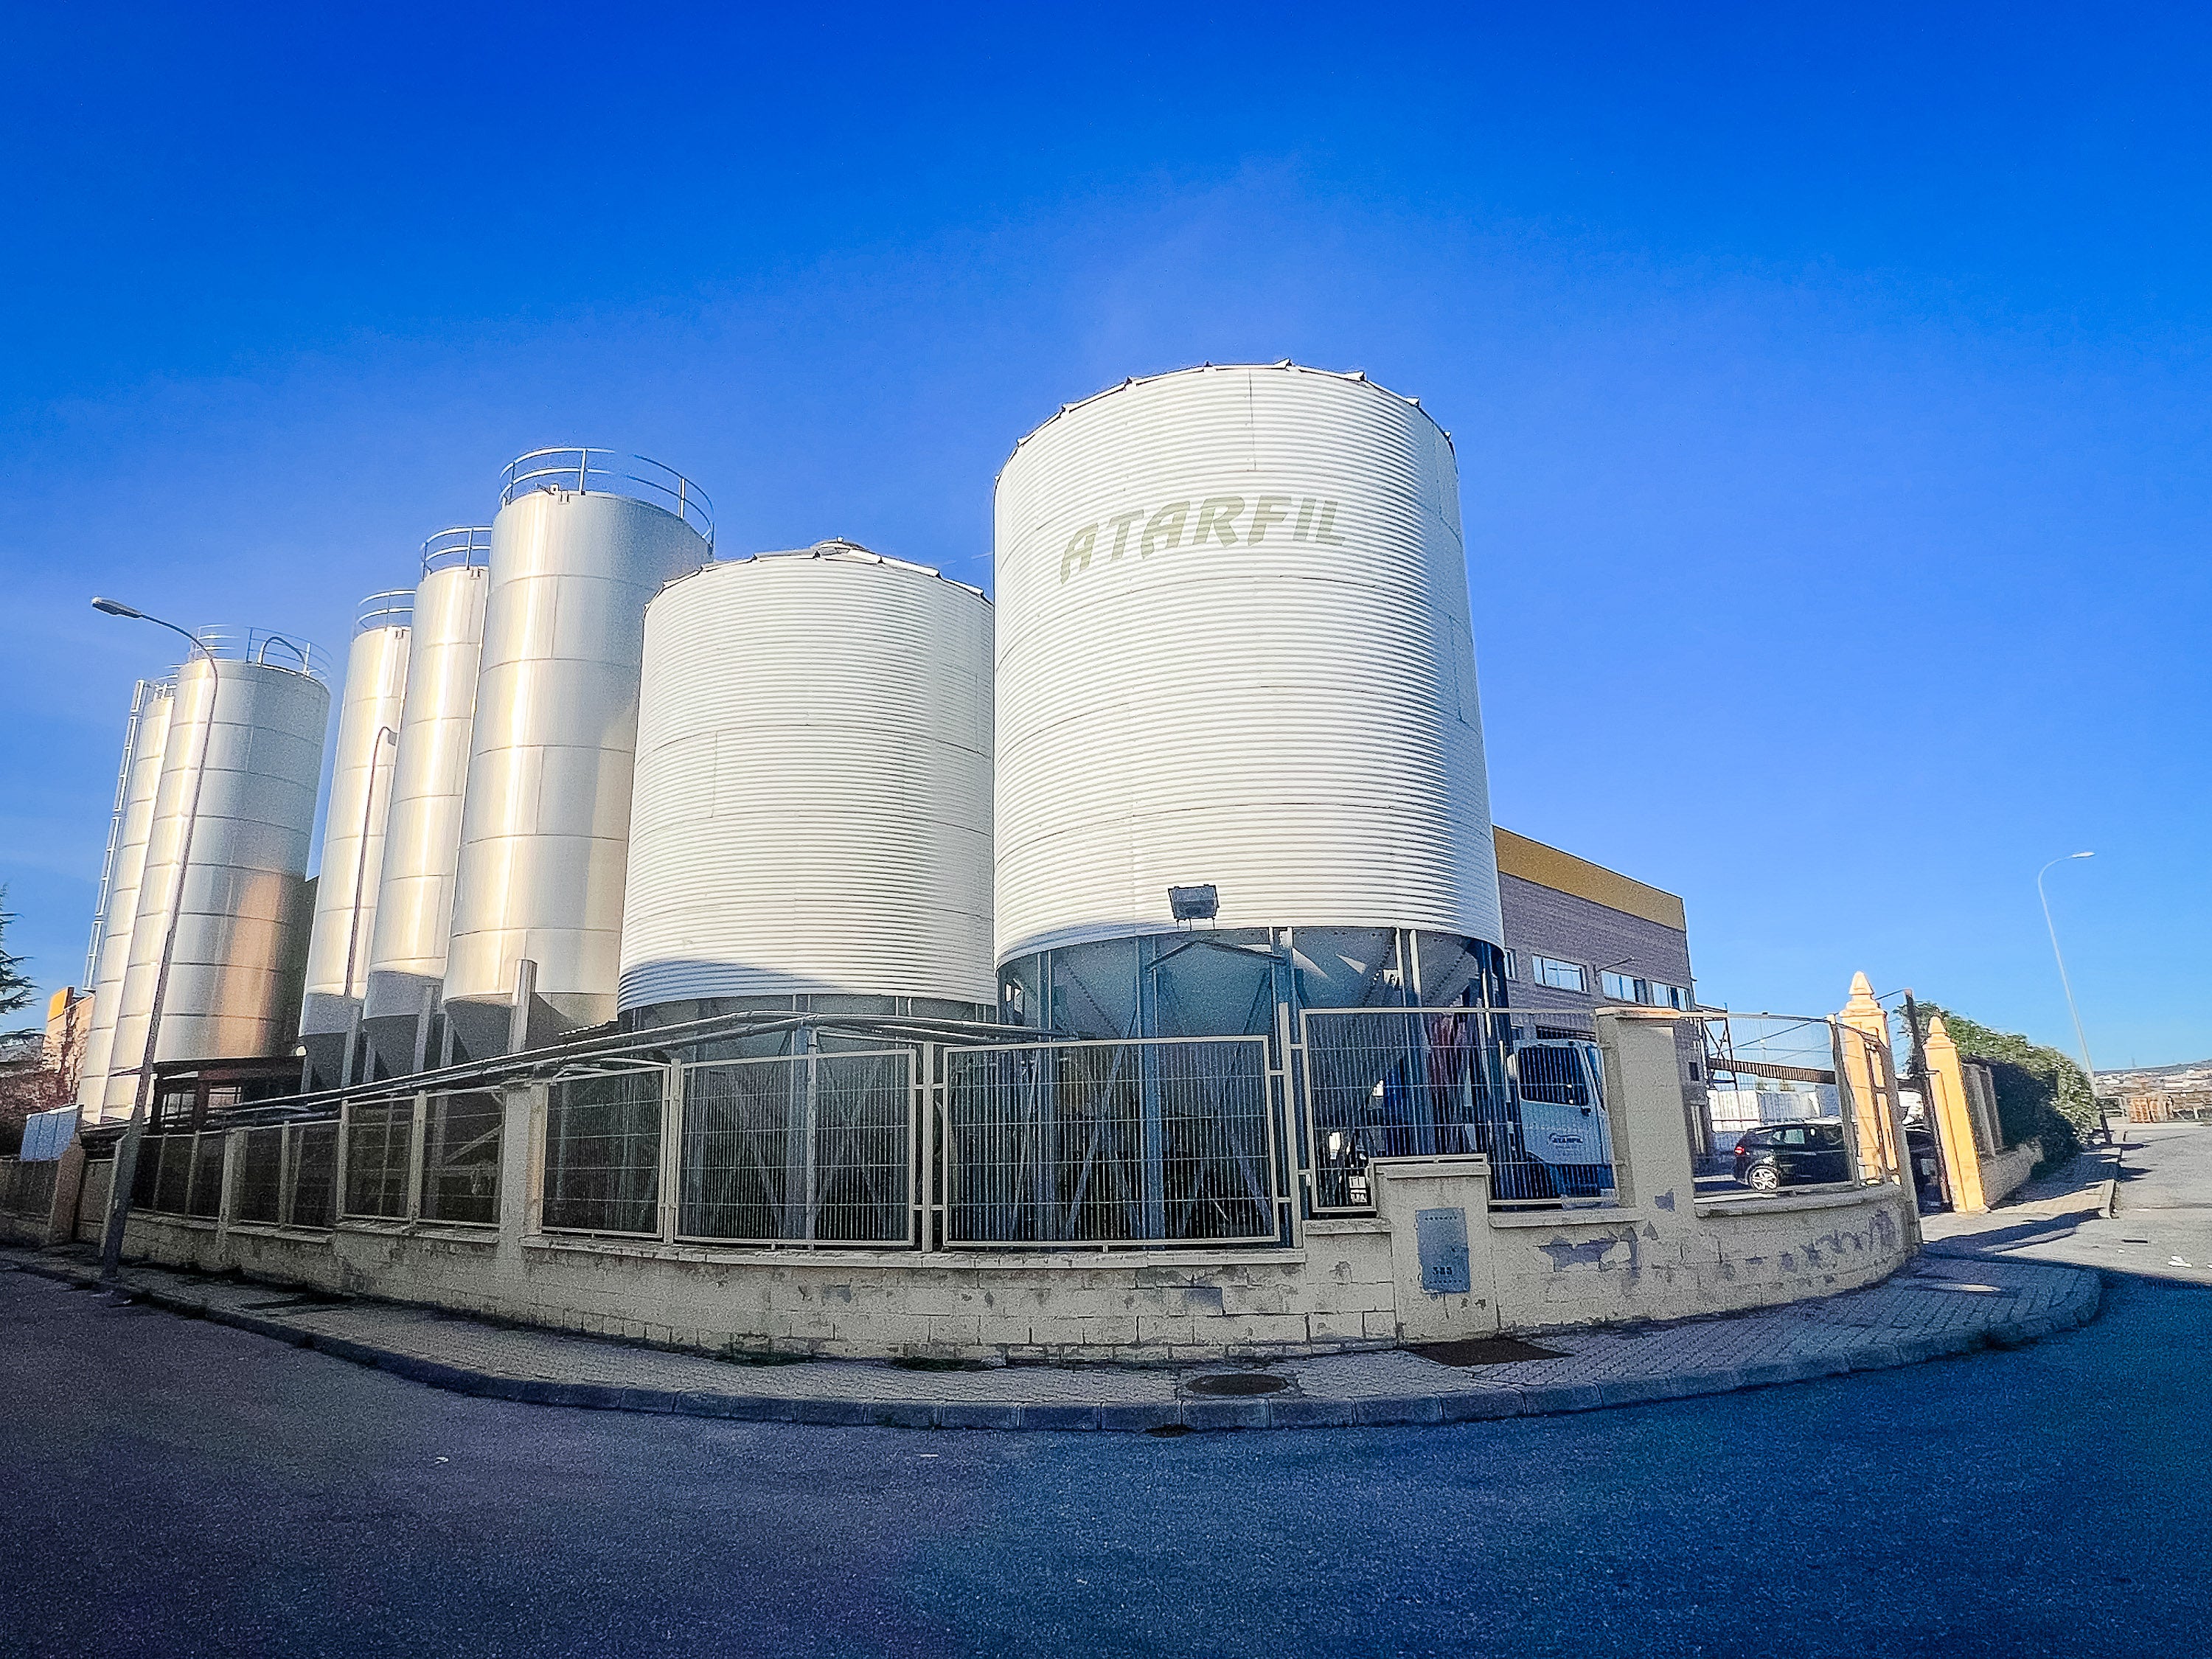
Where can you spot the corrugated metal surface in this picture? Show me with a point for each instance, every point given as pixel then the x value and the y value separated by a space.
pixel 813 801
pixel 143 746
pixel 233 984
pixel 430 772
pixel 1272 691
pixel 353 823
pixel 545 825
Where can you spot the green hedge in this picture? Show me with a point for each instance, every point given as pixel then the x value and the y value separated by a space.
pixel 2041 1095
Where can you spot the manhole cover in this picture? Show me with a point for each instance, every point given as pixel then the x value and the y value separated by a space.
pixel 1483 1350
pixel 1237 1382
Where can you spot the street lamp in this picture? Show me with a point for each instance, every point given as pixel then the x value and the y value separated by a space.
pixel 2088 1072
pixel 126 1157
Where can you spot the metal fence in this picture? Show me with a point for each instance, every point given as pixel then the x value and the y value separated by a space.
pixel 1142 1141
pixel 380 1155
pixel 603 1152
pixel 816 1148
pixel 1433 1082
pixel 27 1190
pixel 1795 1102
pixel 461 1140
pixel 258 1197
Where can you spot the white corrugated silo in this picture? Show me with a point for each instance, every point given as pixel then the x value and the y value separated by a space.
pixel 430 770
pixel 583 541
pixel 353 829
pixel 812 812
pixel 144 741
pixel 243 759
pixel 1234 648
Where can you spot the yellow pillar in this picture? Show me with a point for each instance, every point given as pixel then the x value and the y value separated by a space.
pixel 1954 1121
pixel 1865 1079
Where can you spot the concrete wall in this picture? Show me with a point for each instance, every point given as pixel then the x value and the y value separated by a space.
pixel 1348 1284
pixel 2002 1174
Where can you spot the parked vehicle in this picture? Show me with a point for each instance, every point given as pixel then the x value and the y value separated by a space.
pixel 1792 1155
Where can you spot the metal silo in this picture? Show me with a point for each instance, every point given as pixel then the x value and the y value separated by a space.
pixel 144 742
pixel 423 830
pixel 1235 660
pixel 1234 648
pixel 244 757
pixel 812 810
pixel 583 540
pixel 353 833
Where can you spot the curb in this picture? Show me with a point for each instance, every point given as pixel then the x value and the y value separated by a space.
pixel 1481 1402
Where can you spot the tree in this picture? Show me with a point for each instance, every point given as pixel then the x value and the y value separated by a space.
pixel 2041 1094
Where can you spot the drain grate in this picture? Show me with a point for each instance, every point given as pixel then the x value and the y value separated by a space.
pixel 1237 1382
pixel 1483 1350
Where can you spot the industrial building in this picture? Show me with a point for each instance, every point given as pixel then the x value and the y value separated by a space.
pixel 801 950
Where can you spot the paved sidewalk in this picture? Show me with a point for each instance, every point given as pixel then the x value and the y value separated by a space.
pixel 1934 1307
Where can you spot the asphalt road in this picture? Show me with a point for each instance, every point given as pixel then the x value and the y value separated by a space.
pixel 171 1487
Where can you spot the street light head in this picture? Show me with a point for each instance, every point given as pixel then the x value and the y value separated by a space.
pixel 117 608
pixel 2081 855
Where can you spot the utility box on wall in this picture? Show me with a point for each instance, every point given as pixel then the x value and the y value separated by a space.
pixel 1441 1238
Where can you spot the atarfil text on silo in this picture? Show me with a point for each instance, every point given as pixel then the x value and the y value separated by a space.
pixel 1315 521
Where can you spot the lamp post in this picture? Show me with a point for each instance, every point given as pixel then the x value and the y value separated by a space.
pixel 126 1157
pixel 2088 1072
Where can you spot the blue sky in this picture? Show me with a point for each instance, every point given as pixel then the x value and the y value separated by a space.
pixel 1830 385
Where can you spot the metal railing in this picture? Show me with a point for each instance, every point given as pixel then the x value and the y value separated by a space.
pixel 462 544
pixel 394 608
pixel 609 472
pixel 258 1193
pixel 815 1148
pixel 603 1152
pixel 263 648
pixel 1157 1140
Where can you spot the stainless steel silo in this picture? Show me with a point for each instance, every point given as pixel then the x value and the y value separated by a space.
pixel 583 541
pixel 353 834
pixel 812 812
pixel 144 741
pixel 422 832
pixel 241 766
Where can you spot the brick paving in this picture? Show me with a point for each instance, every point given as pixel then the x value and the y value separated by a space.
pixel 1936 1305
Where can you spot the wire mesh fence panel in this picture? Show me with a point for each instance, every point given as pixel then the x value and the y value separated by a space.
pixel 379 1148
pixel 314 1175
pixel 208 1150
pixel 1148 1141
pixel 27 1190
pixel 813 1147
pixel 1422 1083
pixel 146 1175
pixel 261 1177
pixel 460 1158
pixel 602 1153
pixel 173 1185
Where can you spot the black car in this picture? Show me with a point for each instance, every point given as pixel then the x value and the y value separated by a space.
pixel 1792 1155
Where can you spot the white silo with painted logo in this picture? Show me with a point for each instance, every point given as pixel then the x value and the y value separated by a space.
pixel 1234 650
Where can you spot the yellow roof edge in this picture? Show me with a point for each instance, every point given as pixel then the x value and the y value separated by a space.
pixel 1563 872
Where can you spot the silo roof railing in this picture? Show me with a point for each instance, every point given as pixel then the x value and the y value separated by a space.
pixel 394 608
pixel 608 472
pixel 263 648
pixel 463 544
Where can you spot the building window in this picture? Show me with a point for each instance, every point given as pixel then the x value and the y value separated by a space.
pixel 1618 986
pixel 1660 995
pixel 1559 975
pixel 1513 965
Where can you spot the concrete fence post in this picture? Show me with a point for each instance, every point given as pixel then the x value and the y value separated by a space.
pixel 1947 1077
